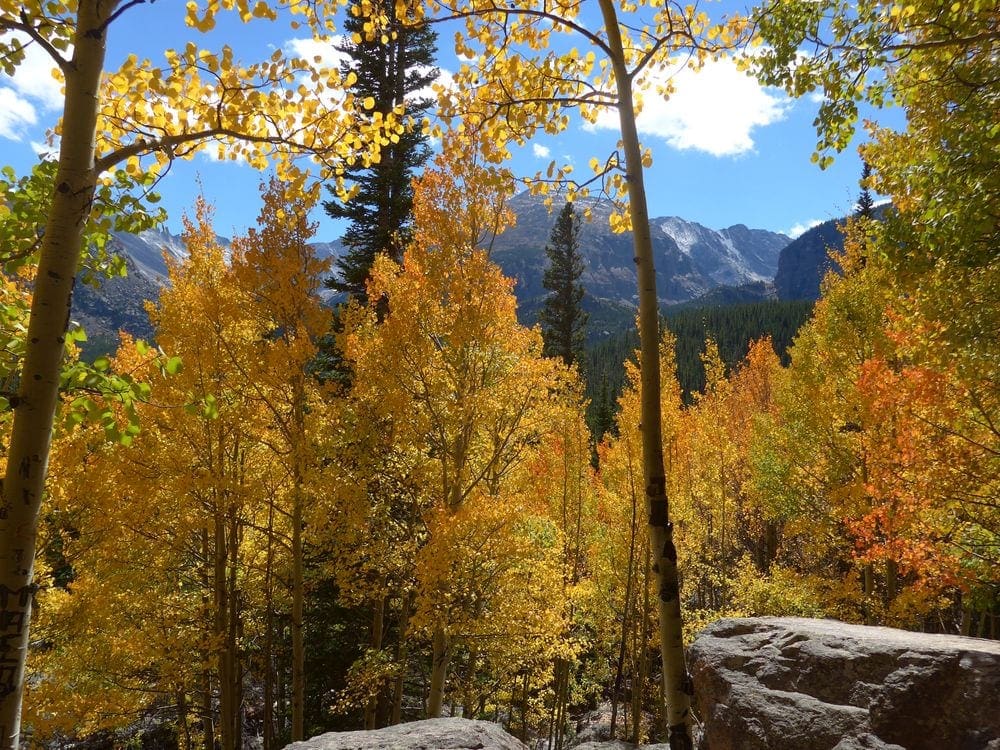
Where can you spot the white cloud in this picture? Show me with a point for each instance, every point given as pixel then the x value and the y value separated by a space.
pixel 542 152
pixel 801 227
pixel 322 54
pixel 31 91
pixel 34 77
pixel 48 151
pixel 713 110
pixel 16 114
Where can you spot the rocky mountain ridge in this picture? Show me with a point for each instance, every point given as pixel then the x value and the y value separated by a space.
pixel 690 259
pixel 693 263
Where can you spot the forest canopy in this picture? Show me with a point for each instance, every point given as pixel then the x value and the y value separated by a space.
pixel 278 518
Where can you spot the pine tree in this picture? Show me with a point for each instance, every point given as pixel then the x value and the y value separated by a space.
pixel 866 204
pixel 390 68
pixel 563 319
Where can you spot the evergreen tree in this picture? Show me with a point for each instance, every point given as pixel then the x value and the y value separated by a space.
pixel 563 319
pixel 866 204
pixel 390 68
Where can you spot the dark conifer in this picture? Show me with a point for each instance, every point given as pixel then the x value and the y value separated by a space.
pixel 391 69
pixel 563 319
pixel 866 204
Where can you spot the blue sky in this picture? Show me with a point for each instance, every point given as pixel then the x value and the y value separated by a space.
pixel 726 151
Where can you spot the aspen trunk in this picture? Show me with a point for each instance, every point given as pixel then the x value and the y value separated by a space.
pixel 183 729
pixel 439 672
pixel 469 691
pixel 207 724
pixel 35 403
pixel 868 588
pixel 297 442
pixel 891 580
pixel 643 657
pixel 676 681
pixel 298 641
pixel 402 655
pixel 233 665
pixel 268 656
pixel 628 608
pixel 221 636
pixel 378 624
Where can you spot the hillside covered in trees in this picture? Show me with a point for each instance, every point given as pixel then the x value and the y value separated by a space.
pixel 281 518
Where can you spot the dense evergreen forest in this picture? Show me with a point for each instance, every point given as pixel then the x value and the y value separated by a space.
pixel 732 327
pixel 204 543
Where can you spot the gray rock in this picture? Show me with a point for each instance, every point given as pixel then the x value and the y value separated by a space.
pixel 431 734
pixel 799 684
pixel 616 745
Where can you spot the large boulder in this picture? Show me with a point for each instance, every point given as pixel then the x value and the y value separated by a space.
pixel 796 684
pixel 431 734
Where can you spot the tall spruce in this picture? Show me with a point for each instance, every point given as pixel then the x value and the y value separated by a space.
pixel 563 319
pixel 865 208
pixel 390 68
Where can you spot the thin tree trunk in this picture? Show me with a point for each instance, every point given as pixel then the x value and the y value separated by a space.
pixel 402 655
pixel 891 581
pixel 297 440
pixel 562 701
pixel 207 725
pixel 268 656
pixel 628 607
pixel 375 642
pixel 868 588
pixel 965 628
pixel 469 694
pixel 35 403
pixel 208 729
pixel 281 682
pixel 298 641
pixel 675 676
pixel 233 634
pixel 184 735
pixel 524 709
pixel 643 657
pixel 221 635
pixel 439 671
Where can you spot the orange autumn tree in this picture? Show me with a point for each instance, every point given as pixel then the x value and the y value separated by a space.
pixel 732 535
pixel 199 511
pixel 277 278
pixel 169 518
pixel 465 385
pixel 622 579
pixel 139 118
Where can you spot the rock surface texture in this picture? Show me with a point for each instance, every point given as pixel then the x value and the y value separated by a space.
pixel 799 684
pixel 432 734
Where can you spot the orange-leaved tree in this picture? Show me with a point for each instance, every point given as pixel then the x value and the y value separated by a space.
pixel 460 381
pixel 526 73
pixel 163 111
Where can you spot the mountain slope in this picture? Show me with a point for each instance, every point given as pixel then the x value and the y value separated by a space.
pixel 804 262
pixel 690 258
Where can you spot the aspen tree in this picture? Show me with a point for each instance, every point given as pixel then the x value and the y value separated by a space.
pixel 461 380
pixel 279 278
pixel 510 95
pixel 116 119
